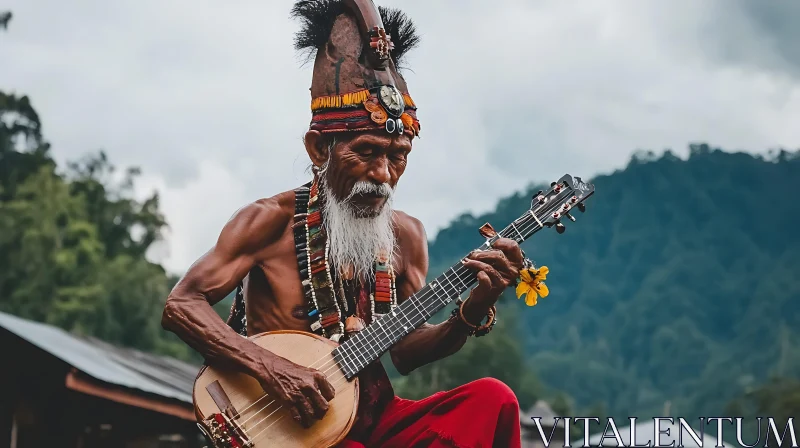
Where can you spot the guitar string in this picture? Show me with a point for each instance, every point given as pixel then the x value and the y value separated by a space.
pixel 423 300
pixel 273 401
pixel 527 227
pixel 344 376
pixel 339 381
pixel 323 366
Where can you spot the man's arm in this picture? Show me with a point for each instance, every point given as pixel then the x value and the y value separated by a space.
pixel 429 343
pixel 189 313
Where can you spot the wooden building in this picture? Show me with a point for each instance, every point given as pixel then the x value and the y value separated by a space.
pixel 59 390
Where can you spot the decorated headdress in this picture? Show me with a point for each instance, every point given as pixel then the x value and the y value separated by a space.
pixel 357 47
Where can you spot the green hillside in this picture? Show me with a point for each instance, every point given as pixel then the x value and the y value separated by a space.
pixel 680 283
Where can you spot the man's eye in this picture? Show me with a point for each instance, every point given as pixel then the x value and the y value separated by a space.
pixel 364 151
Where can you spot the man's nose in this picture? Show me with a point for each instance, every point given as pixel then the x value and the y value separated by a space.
pixel 379 171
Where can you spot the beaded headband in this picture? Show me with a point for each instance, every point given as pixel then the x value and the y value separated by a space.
pixel 365 111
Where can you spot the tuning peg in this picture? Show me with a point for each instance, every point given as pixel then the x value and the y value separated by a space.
pixel 581 207
pixel 560 228
pixel 571 218
pixel 487 231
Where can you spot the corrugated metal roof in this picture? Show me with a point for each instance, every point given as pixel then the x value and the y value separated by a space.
pixel 125 367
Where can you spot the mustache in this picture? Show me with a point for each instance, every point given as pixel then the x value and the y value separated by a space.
pixel 364 187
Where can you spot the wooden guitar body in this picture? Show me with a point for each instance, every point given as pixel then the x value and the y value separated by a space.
pixel 225 409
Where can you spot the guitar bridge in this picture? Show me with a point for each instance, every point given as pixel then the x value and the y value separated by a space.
pixel 224 433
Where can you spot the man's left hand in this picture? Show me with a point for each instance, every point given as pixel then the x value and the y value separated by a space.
pixel 498 268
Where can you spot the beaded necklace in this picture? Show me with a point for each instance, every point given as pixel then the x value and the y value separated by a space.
pixel 320 285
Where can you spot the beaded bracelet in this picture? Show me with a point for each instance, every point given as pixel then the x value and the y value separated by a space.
pixel 474 330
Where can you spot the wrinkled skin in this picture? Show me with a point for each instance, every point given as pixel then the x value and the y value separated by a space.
pixel 257 245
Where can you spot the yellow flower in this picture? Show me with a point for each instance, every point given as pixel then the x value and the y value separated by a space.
pixel 531 286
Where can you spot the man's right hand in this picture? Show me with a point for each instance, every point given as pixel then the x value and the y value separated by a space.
pixel 304 391
pixel 189 313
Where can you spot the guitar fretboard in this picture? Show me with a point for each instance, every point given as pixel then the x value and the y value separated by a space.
pixel 364 347
pixel 385 331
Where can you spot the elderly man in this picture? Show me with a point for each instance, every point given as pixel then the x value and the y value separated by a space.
pixel 343 223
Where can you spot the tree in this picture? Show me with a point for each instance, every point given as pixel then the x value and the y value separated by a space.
pixel 778 397
pixel 5 17
pixel 73 241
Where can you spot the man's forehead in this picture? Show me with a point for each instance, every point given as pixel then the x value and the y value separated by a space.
pixel 381 140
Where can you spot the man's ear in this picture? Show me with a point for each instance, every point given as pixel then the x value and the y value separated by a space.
pixel 317 147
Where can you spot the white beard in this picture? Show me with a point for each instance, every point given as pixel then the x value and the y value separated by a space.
pixel 357 240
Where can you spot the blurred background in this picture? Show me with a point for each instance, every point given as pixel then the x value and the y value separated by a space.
pixel 131 131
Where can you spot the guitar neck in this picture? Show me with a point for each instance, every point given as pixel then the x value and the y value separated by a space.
pixel 364 347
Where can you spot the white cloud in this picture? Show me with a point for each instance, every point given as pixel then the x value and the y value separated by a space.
pixel 197 211
pixel 209 99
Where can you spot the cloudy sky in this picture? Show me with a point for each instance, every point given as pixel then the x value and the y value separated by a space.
pixel 211 101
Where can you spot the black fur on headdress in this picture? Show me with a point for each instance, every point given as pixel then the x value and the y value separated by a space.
pixel 317 17
pixel 403 32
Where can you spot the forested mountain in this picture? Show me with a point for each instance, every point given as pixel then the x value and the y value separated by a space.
pixel 680 282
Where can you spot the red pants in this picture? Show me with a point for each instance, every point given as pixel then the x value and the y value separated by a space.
pixel 483 413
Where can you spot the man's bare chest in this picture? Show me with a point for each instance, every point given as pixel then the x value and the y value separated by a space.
pixel 273 290
pixel 274 293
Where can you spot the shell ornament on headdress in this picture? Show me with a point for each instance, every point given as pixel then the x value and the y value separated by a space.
pixel 356 85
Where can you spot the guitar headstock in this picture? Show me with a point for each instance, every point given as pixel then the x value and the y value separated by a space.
pixel 551 206
pixel 547 210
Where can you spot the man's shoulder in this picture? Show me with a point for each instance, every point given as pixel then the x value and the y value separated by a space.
pixel 262 220
pixel 411 237
pixel 278 207
pixel 413 244
pixel 408 225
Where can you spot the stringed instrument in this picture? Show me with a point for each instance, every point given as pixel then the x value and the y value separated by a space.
pixel 233 410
